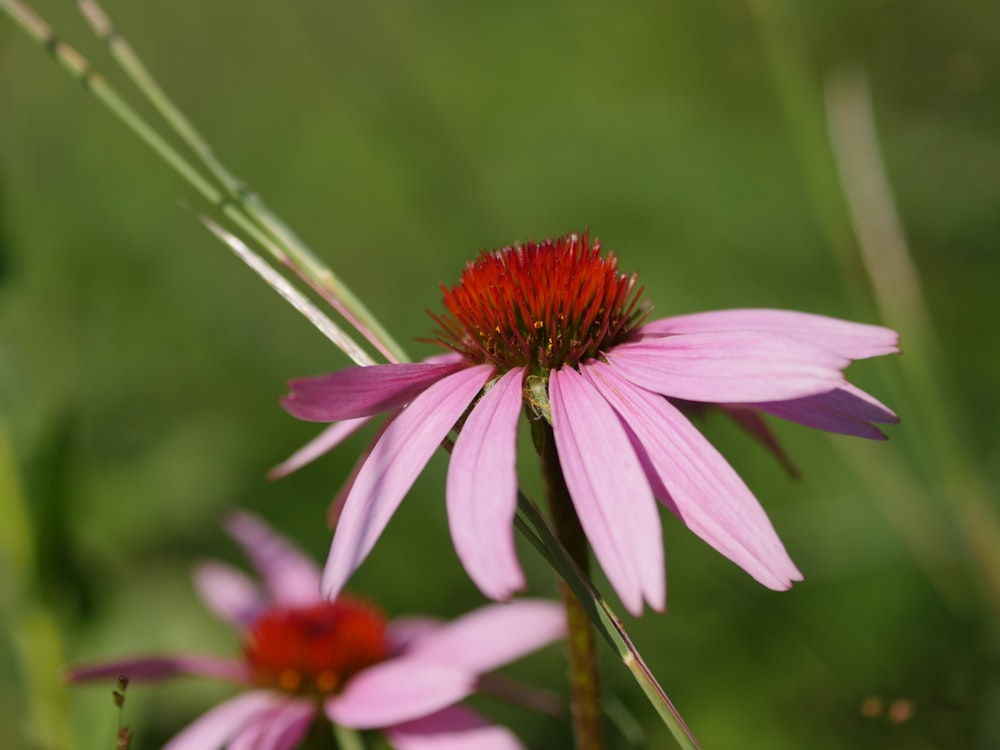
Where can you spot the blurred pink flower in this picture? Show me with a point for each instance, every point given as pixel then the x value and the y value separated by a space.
pixel 304 657
pixel 556 322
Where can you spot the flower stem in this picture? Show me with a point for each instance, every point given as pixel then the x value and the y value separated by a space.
pixel 585 695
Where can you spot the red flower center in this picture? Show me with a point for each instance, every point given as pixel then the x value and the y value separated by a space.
pixel 315 648
pixel 539 305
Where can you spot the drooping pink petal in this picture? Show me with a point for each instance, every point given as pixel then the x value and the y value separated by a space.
pixel 715 367
pixel 704 490
pixel 753 424
pixel 846 410
pixel 280 727
pixel 159 667
pixel 323 443
pixel 397 690
pixel 609 490
pixel 482 490
pixel 849 339
pixel 214 729
pixel 291 578
pixel 393 465
pixel 362 391
pixel 492 636
pixel 230 594
pixel 454 728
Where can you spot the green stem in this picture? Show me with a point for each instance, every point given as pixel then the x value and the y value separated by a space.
pixel 237 202
pixel 585 693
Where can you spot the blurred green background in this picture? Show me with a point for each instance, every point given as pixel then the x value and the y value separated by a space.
pixel 141 364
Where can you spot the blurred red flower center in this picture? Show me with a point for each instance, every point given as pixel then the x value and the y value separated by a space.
pixel 539 305
pixel 315 648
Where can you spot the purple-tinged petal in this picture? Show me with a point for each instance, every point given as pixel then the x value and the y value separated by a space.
pixel 714 367
pixel 392 467
pixel 326 441
pixel 482 490
pixel 455 728
pixel 846 410
pixel 280 727
pixel 849 339
pixel 290 577
pixel 159 667
pixel 609 490
pixel 492 636
pixel 362 391
pixel 704 490
pixel 214 729
pixel 404 631
pixel 397 690
pixel 228 593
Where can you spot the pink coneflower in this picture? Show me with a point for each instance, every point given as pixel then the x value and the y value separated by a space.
pixel 556 329
pixel 305 657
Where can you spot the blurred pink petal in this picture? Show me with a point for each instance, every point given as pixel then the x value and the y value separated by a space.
pixel 849 339
pixel 230 594
pixel 609 490
pixel 341 654
pixel 326 441
pixel 362 391
pixel 397 690
pixel 214 729
pixel 405 631
pixel 395 461
pixel 482 490
pixel 281 727
pixel 491 636
pixel 715 367
pixel 704 490
pixel 454 728
pixel 159 668
pixel 289 576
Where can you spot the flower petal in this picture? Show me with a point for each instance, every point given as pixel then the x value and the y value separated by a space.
pixel 337 504
pixel 491 636
pixel 704 490
pixel 609 490
pixel 849 339
pixel 395 461
pixel 362 391
pixel 214 729
pixel 846 410
pixel 715 367
pixel 397 690
pixel 280 727
pixel 482 490
pixel 290 577
pixel 403 631
pixel 230 594
pixel 159 668
pixel 326 441
pixel 454 728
